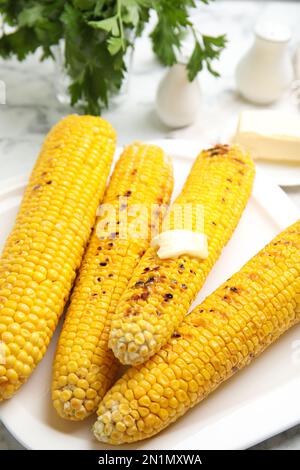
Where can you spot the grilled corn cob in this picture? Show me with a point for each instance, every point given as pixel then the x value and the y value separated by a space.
pixel 222 335
pixel 45 247
pixel 162 290
pixel 84 367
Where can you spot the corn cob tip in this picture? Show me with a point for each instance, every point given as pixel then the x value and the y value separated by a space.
pixel 122 421
pixel 107 429
pixel 72 410
pixel 136 345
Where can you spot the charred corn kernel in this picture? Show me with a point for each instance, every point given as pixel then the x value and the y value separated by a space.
pixel 161 291
pixel 249 295
pixel 56 216
pixel 143 175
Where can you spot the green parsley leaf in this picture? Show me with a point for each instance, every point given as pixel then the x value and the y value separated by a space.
pixel 84 4
pixel 31 16
pixel 132 15
pixel 21 42
pixel 100 4
pixel 136 3
pixel 205 54
pixel 195 63
pixel 109 25
pixel 114 45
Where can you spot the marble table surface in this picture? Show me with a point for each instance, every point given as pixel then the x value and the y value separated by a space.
pixel 31 109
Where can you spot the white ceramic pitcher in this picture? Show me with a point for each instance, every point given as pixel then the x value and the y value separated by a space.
pixel 266 69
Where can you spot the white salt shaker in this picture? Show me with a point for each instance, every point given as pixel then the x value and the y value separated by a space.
pixel 266 69
pixel 178 99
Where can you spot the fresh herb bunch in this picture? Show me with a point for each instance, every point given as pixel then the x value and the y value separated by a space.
pixel 97 35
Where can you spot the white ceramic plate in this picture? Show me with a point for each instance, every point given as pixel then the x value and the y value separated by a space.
pixel 285 174
pixel 255 404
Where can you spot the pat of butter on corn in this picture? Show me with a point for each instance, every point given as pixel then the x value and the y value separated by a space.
pixel 174 243
pixel 270 135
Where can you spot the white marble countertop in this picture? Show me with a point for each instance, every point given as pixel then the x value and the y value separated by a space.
pixel 31 109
